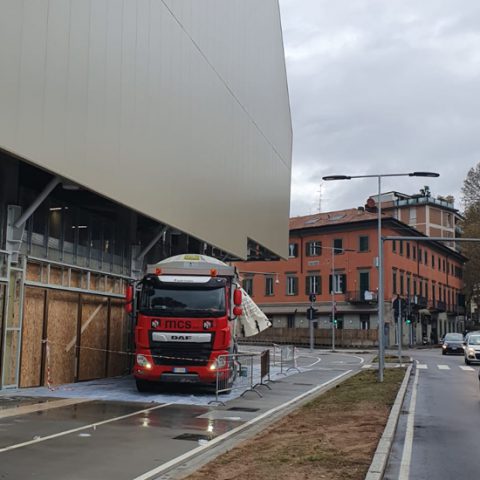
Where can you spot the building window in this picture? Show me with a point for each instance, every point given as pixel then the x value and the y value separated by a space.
pixel 413 215
pixel 339 284
pixel 433 260
pixel 364 282
pixel 293 250
pixel 414 252
pixel 394 277
pixel 439 264
pixel 444 265
pixel 290 321
pixel 408 250
pixel 338 246
pixel 401 247
pixel 339 319
pixel 394 246
pixel 313 285
pixel 292 285
pixel 268 286
pixel 364 321
pixel 420 258
pixel 401 284
pixel 363 243
pixel 408 284
pixel 247 285
pixel 314 249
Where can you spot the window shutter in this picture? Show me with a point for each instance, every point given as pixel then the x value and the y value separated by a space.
pixel 330 284
pixel 295 285
pixel 344 283
pixel 307 286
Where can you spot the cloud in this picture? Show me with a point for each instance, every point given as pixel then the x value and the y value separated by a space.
pixel 379 87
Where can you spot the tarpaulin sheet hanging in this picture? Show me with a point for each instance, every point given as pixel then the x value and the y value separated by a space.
pixel 253 320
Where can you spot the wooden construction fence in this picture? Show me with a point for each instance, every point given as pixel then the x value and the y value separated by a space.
pixel 344 338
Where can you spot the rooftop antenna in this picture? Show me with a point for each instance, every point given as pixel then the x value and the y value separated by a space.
pixel 319 191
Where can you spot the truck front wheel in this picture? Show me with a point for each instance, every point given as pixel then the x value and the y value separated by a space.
pixel 143 385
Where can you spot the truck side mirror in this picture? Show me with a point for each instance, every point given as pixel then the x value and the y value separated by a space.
pixel 129 299
pixel 237 311
pixel 237 297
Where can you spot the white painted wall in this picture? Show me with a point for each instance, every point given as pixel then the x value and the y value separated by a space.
pixel 176 108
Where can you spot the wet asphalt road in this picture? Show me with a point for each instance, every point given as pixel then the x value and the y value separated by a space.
pixel 119 440
pixel 446 422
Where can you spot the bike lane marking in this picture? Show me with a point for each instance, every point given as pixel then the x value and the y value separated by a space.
pixel 79 429
pixel 404 473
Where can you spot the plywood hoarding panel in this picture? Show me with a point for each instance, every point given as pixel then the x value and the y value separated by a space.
pixel 93 340
pixel 33 310
pixel 62 325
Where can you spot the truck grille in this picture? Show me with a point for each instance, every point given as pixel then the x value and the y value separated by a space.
pixel 181 353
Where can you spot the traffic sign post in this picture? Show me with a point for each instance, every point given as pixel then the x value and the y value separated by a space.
pixel 399 309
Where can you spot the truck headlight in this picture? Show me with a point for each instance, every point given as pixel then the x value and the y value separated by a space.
pixel 143 362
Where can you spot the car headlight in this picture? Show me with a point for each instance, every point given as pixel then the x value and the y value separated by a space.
pixel 143 362
pixel 445 345
pixel 471 351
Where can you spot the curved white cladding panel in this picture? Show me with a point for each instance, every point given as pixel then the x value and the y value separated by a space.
pixel 175 108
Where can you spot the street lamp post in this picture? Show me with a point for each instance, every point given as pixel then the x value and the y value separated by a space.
pixel 381 320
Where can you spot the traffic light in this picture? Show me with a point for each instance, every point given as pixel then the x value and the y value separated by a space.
pixel 408 320
pixel 312 313
pixel 312 297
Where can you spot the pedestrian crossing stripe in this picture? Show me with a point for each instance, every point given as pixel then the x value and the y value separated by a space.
pixel 423 366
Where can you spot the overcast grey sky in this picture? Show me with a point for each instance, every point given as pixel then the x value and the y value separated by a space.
pixel 379 86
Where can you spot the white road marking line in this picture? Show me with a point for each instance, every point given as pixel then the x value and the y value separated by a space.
pixel 366 366
pixel 467 369
pixel 443 367
pixel 422 366
pixel 79 429
pixel 221 438
pixel 404 473
pixel 318 360
pixel 40 407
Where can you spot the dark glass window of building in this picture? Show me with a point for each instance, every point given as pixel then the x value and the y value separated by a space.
pixel 425 257
pixel 363 243
pixel 339 284
pixel 401 247
pixel 433 261
pixel 292 285
pixel 338 246
pixel 293 250
pixel 420 258
pixel 439 264
pixel 268 286
pixel 394 246
pixel 394 277
pixel 247 285
pixel 290 321
pixel 313 284
pixel 414 252
pixel 408 250
pixel 314 249
pixel 364 321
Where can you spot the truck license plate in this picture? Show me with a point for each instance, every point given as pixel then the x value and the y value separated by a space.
pixel 180 370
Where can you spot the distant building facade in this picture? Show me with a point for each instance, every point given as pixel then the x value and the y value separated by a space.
pixel 435 217
pixel 336 252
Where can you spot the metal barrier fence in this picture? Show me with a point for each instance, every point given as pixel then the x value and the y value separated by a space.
pixel 236 372
pixel 287 358
pixel 264 370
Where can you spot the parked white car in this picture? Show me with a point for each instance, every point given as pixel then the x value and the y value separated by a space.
pixel 472 349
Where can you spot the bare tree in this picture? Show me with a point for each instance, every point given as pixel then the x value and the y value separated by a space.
pixel 471 187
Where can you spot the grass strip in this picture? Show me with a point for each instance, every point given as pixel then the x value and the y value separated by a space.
pixel 332 437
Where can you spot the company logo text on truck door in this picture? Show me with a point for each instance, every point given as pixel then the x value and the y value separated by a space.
pixel 172 324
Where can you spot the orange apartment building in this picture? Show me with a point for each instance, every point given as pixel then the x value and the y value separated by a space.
pixel 337 251
pixel 435 217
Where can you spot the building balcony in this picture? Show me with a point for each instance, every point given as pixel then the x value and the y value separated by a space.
pixel 437 305
pixel 365 296
pixel 419 301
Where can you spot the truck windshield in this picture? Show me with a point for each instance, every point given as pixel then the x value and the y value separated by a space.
pixel 183 302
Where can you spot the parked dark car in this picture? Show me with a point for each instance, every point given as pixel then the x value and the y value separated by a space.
pixel 453 343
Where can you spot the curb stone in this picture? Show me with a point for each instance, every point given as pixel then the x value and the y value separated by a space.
pixel 379 462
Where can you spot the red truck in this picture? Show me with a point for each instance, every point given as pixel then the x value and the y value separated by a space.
pixel 186 309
